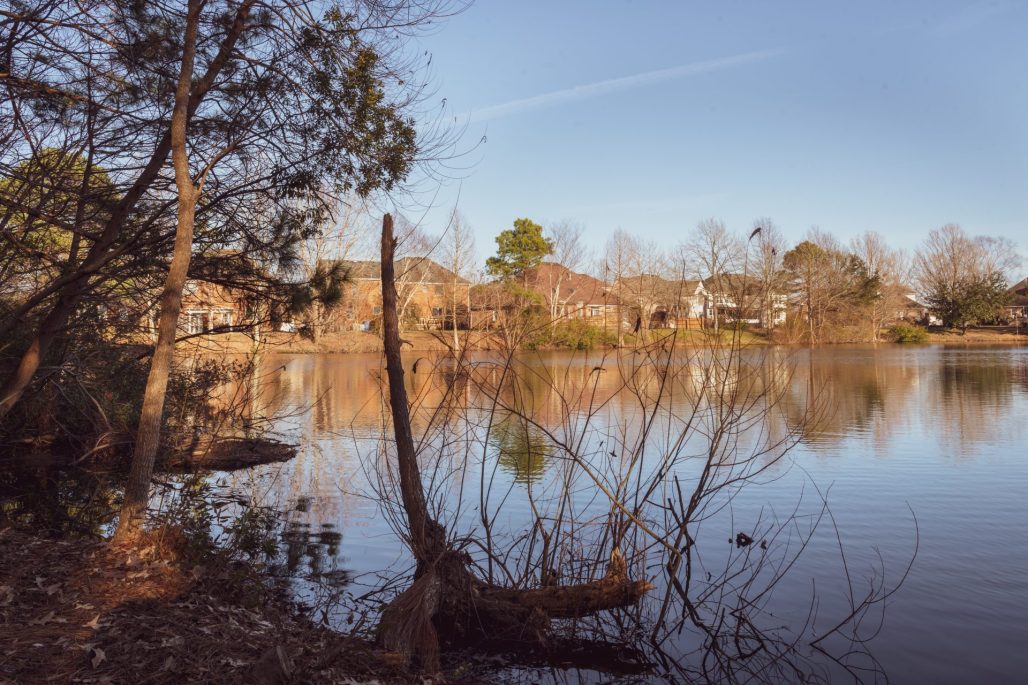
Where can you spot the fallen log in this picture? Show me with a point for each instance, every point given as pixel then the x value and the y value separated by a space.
pixel 615 590
pixel 229 453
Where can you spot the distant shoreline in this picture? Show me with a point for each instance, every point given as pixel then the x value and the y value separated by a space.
pixel 357 342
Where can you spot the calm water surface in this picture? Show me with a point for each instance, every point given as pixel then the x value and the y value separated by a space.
pixel 933 434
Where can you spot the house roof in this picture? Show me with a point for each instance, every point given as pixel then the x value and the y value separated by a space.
pixel 574 287
pixel 1019 293
pixel 419 269
pixel 733 283
pixel 667 288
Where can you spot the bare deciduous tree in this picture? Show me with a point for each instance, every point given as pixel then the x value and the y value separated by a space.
pixel 887 265
pixel 446 596
pixel 459 246
pixel 711 253
pixel 639 269
pixel 766 249
pixel 569 253
pixel 963 278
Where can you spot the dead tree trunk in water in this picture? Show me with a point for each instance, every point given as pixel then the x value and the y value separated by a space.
pixel 425 543
pixel 446 601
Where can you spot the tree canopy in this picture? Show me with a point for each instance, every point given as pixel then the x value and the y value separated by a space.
pixel 519 250
pixel 963 279
pixel 829 280
pixel 970 301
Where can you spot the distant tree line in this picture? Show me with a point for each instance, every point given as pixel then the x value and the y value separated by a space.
pixel 832 290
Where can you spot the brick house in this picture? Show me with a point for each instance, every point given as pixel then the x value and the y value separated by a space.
pixel 570 295
pixel 430 296
pixel 209 307
pixel 1017 308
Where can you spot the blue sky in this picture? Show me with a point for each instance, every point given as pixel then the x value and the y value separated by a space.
pixel 650 116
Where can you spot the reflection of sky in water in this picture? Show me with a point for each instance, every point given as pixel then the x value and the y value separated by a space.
pixel 938 430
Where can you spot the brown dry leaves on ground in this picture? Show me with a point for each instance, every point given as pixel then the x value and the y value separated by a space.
pixel 78 611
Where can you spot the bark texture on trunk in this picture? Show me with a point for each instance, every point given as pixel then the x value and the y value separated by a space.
pixel 447 603
pixel 137 489
pixel 426 537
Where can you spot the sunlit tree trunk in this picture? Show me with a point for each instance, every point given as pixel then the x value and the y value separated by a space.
pixel 148 434
pixel 70 288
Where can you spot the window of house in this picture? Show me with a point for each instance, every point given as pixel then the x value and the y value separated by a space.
pixel 194 322
pixel 594 310
pixel 437 311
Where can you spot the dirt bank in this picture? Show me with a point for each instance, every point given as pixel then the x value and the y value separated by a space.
pixel 997 335
pixel 356 342
pixel 74 610
pixel 428 341
pixel 349 342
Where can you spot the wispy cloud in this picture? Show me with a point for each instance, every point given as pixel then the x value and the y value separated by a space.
pixel 590 90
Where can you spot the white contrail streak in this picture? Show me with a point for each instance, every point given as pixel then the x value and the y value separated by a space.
pixel 590 90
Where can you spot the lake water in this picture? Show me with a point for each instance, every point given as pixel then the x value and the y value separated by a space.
pixel 922 447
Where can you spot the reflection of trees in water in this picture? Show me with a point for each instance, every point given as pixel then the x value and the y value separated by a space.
pixel 961 397
pixel 983 383
pixel 626 396
pixel 521 450
pixel 874 393
pixel 312 551
pixel 57 501
pixel 866 393
pixel 972 398
pixel 1019 372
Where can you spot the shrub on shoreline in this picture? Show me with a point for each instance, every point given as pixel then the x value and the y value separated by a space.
pixel 573 335
pixel 907 333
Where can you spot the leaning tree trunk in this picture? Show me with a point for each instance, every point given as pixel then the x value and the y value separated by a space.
pixel 137 490
pixel 447 602
pixel 72 287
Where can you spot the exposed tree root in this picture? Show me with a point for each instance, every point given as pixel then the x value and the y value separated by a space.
pixel 448 604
